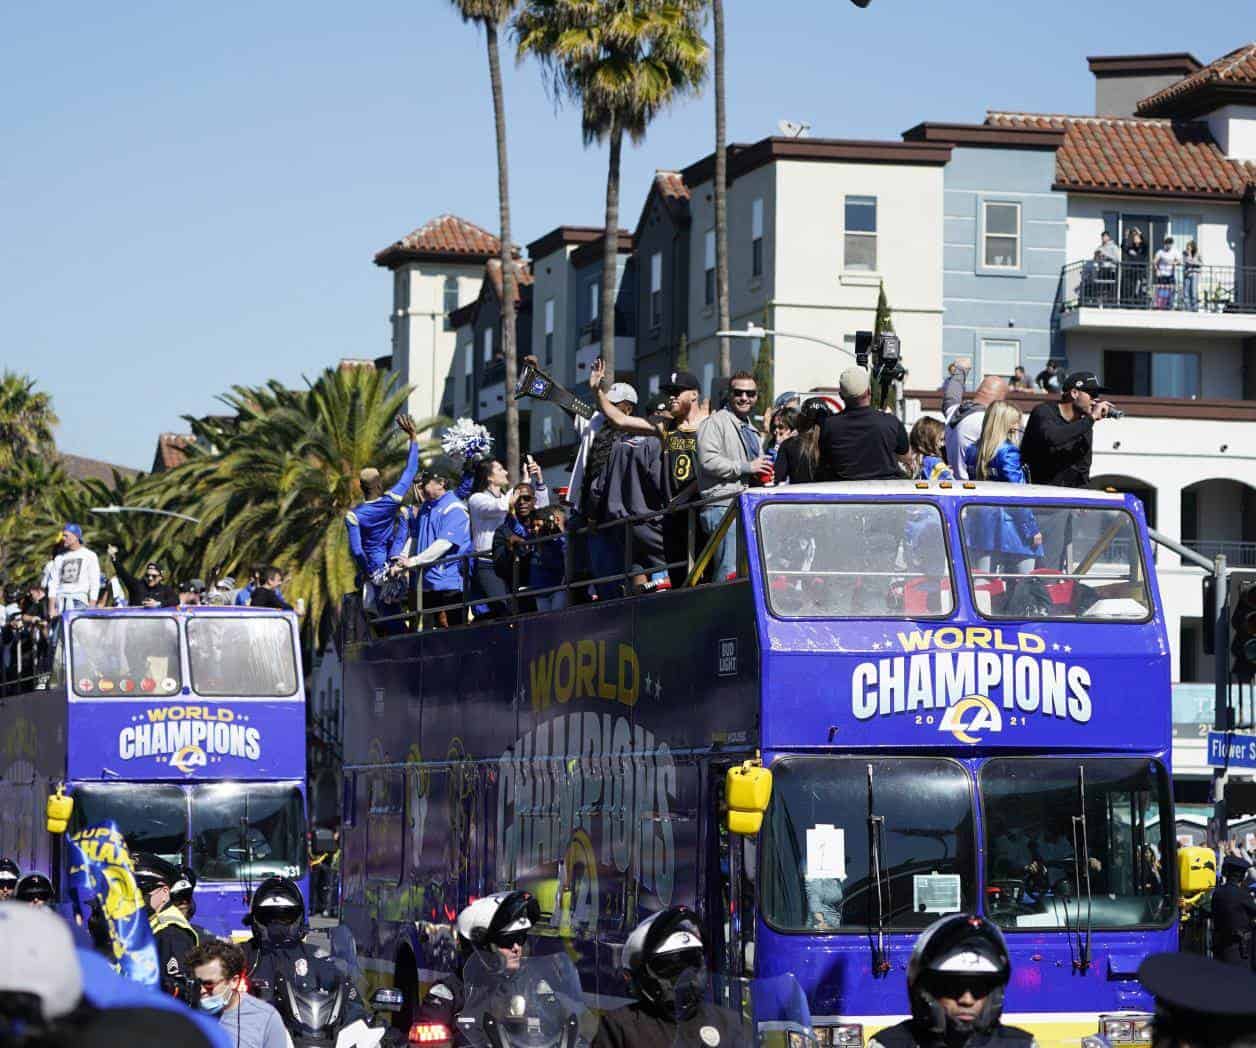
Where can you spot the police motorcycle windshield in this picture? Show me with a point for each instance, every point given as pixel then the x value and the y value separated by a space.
pixel 539 1004
pixel 315 1018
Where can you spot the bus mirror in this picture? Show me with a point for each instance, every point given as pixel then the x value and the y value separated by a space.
pixel 748 790
pixel 58 810
pixel 1197 870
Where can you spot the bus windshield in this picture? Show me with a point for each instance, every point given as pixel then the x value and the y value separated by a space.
pixel 817 873
pixel 1034 560
pixel 1037 878
pixel 242 656
pixel 153 819
pixel 125 655
pixel 247 831
pixel 841 560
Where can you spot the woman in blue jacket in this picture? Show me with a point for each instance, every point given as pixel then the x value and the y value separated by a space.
pixel 1005 540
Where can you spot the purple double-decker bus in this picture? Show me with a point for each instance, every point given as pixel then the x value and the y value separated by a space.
pixel 185 727
pixel 961 692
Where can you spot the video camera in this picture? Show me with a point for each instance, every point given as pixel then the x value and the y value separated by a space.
pixel 882 355
pixel 535 383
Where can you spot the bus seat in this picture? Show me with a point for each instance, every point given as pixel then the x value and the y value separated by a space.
pixel 1060 591
pixel 917 591
pixel 985 592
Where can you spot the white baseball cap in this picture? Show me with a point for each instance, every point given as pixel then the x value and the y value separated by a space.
pixel 38 958
pixel 621 392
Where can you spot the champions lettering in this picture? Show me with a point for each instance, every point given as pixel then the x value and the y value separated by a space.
pixel 171 730
pixel 936 680
pixel 596 774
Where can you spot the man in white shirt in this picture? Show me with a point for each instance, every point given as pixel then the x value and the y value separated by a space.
pixel 75 575
pixel 1165 264
pixel 964 417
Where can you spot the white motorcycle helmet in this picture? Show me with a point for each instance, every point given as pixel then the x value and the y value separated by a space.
pixel 500 919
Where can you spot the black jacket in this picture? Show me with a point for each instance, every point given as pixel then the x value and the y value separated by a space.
pixel 1233 912
pixel 792 465
pixel 1056 451
pixel 299 964
pixel 173 945
pixel 638 1026
pixel 910 1034
pixel 138 591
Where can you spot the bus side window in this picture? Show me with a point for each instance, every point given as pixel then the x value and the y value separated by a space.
pixel 384 825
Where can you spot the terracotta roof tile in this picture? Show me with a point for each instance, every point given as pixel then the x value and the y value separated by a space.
pixel 171 451
pixel 445 235
pixel 1134 154
pixel 671 185
pixel 493 268
pixel 1237 69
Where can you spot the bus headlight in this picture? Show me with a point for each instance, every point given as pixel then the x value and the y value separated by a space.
pixel 1126 1028
pixel 840 1035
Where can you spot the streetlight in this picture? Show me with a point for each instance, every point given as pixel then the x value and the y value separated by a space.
pixel 143 509
pixel 754 331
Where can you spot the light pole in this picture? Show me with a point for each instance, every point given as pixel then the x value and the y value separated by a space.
pixel 754 331
pixel 143 509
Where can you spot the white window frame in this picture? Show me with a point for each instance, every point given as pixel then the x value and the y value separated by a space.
pixel 756 237
pixel 708 377
pixel 468 355
pixel 998 345
pixel 549 331
pixel 488 344
pixel 450 284
pixel 847 234
pixel 1019 235
pixel 656 289
pixel 708 268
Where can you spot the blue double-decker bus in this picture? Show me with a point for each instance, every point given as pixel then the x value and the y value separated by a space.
pixel 186 728
pixel 950 725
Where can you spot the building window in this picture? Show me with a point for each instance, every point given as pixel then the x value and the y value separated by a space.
pixel 861 233
pixel 488 344
pixel 999 356
pixel 1001 232
pixel 469 364
pixel 653 387
pixel 708 262
pixel 656 289
pixel 756 237
pixel 451 301
pixel 1137 373
pixel 595 299
pixel 708 379
pixel 549 331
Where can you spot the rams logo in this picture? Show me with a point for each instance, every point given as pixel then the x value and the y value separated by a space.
pixel 971 718
pixel 188 759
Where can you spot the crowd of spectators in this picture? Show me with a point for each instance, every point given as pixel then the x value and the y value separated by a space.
pixel 650 489
pixel 1130 276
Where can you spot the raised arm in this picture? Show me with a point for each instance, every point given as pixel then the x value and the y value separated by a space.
pixel 956 381
pixel 618 419
pixel 398 491
pixel 128 580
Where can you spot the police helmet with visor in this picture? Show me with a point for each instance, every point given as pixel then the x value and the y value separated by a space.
pixel 666 962
pixel 500 920
pixel 961 952
pixel 277 911
pixel 36 888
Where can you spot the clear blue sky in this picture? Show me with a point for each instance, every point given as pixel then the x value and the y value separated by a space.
pixel 191 195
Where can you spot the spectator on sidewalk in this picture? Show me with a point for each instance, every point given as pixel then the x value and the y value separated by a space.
pixel 861 443
pixel 75 575
pixel 730 459
pixel 149 591
pixel 964 417
pixel 1020 381
pixel 372 524
pixel 441 528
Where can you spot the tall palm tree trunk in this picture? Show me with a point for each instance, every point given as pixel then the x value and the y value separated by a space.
pixel 721 195
pixel 510 286
pixel 610 248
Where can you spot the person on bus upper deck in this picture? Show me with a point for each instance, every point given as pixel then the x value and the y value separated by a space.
pixel 1059 437
pixel 35 889
pixel 10 874
pixel 956 978
pixel 496 928
pixel 730 459
pixel 861 443
pixel 1005 539
pixel 667 968
pixel 440 527
pixel 1233 912
pixel 1200 1003
pixel 74 581
pixel 964 417
pixel 150 591
pixel 174 935
pixel 267 594
pixel 371 524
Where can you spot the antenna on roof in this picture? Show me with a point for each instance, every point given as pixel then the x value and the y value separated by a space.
pixel 791 129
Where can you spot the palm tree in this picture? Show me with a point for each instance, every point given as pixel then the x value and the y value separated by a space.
pixel 272 484
pixel 624 61
pixel 721 195
pixel 26 418
pixel 492 14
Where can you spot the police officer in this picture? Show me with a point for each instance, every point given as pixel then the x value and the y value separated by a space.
pixel 9 876
pixel 1233 911
pixel 35 889
pixel 956 977
pixel 496 927
pixel 175 936
pixel 1200 1002
pixel 182 895
pixel 278 951
pixel 666 965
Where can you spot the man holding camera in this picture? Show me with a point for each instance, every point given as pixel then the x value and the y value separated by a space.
pixel 1059 438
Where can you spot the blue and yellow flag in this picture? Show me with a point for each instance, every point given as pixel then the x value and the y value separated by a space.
pixel 103 888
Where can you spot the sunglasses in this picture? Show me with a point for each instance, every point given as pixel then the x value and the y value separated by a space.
pixel 745 393
pixel 525 498
pixel 953 986
pixel 208 985
pixel 670 966
pixel 510 940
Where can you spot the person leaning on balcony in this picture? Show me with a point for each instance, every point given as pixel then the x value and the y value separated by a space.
pixel 1134 269
pixel 1191 265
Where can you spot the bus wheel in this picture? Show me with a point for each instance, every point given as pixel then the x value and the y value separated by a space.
pixel 406 979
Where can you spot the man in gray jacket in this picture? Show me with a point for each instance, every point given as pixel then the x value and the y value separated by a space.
pixel 730 458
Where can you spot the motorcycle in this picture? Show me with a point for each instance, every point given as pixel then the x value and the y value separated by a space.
pixel 314 1018
pixel 537 1005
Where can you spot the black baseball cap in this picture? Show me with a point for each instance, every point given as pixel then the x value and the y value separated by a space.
pixel 1086 381
pixel 440 466
pixel 681 381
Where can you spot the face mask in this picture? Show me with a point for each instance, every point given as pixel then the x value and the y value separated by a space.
pixel 214 1005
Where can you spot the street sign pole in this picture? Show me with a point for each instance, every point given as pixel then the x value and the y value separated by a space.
pixel 1221 672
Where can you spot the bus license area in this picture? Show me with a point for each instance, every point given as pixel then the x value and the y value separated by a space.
pixel 889 560
pixel 132 657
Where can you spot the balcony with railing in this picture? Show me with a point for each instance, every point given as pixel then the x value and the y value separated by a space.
pixel 1204 300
